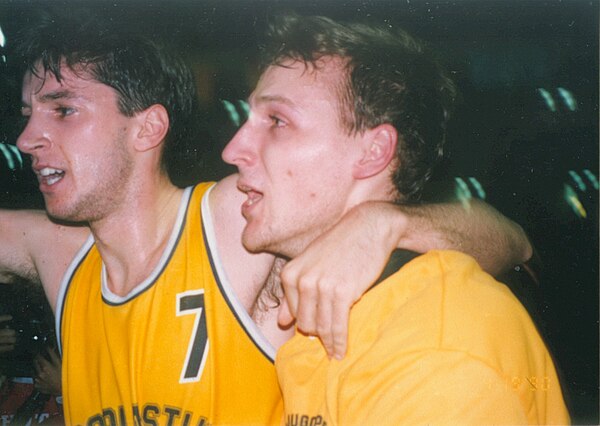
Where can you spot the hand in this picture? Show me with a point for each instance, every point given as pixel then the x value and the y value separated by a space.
pixel 323 283
pixel 8 336
pixel 48 373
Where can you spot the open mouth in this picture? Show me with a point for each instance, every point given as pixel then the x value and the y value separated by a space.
pixel 253 197
pixel 49 175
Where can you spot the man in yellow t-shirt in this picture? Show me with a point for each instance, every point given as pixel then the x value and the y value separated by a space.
pixel 349 113
pixel 437 342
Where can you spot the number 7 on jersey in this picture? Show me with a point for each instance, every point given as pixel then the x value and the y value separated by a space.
pixel 192 303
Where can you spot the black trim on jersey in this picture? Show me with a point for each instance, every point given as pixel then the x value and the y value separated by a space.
pixel 66 292
pixel 165 263
pixel 398 259
pixel 224 294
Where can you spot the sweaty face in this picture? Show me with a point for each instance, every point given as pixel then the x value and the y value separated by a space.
pixel 76 137
pixel 294 158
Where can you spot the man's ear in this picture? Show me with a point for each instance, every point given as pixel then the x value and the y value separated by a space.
pixel 380 150
pixel 154 122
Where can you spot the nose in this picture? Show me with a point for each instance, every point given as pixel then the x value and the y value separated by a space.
pixel 238 151
pixel 33 137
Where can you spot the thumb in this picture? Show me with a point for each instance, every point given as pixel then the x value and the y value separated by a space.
pixel 284 317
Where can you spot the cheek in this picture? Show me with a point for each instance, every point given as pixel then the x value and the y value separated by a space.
pixel 307 184
pixel 308 172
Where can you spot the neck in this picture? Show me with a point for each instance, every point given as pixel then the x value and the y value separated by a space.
pixel 378 188
pixel 132 239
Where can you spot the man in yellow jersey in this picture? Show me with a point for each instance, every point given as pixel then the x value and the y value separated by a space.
pixel 349 113
pixel 153 291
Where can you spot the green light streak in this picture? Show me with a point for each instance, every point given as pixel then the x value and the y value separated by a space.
pixel 548 99
pixel 568 98
pixel 573 201
pixel 234 116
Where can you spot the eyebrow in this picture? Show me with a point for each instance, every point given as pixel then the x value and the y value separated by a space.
pixel 55 95
pixel 273 98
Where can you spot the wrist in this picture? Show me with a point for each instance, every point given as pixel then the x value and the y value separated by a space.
pixel 395 225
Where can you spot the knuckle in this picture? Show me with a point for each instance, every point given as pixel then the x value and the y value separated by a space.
pixel 323 331
pixel 307 328
pixel 339 340
pixel 288 275
pixel 326 284
pixel 306 285
pixel 339 327
pixel 340 293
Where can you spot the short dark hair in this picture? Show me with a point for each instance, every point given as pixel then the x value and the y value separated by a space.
pixel 141 71
pixel 391 78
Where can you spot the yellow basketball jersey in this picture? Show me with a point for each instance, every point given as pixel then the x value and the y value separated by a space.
pixel 179 349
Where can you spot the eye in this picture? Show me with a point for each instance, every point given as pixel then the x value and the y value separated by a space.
pixel 277 122
pixel 64 111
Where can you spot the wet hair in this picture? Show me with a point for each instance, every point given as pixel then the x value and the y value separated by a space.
pixel 142 72
pixel 390 78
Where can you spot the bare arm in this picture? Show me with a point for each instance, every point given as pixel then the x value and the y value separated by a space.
pixel 337 268
pixel 36 249
pixel 496 242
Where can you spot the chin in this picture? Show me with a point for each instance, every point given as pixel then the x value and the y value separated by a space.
pixel 62 214
pixel 250 243
pixel 56 213
pixel 63 218
pixel 255 242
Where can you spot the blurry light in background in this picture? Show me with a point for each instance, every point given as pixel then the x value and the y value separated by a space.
pixel 548 99
pixel 463 193
pixel 11 153
pixel 465 189
pixel 478 188
pixel 577 179
pixel 234 116
pixel 592 178
pixel 237 115
pixel 245 107
pixel 2 44
pixel 573 200
pixel 568 98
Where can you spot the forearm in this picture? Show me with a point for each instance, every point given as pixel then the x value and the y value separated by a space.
pixel 479 230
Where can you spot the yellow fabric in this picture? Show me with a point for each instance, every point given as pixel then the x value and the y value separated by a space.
pixel 125 361
pixel 438 342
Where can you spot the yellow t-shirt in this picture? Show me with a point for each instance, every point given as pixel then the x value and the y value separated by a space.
pixel 179 349
pixel 438 342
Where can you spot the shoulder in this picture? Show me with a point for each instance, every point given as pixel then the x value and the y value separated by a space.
pixel 245 271
pixel 444 300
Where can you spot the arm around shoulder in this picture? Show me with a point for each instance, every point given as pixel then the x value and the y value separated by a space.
pixel 339 266
pixel 477 229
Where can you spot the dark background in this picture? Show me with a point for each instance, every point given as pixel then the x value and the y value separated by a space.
pixel 526 127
